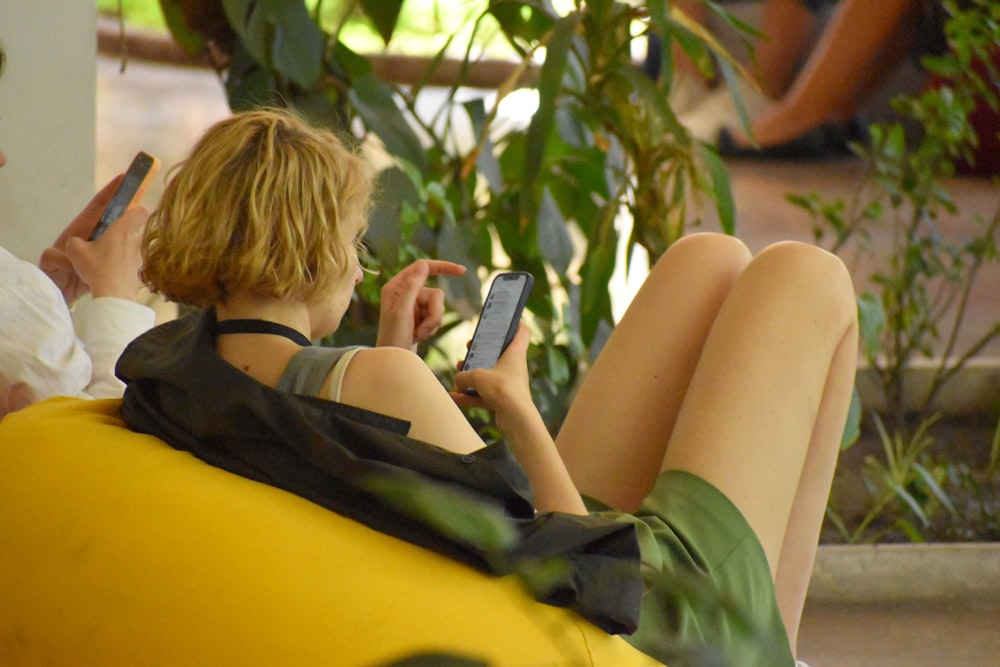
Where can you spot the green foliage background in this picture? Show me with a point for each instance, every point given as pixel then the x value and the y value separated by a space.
pixel 603 146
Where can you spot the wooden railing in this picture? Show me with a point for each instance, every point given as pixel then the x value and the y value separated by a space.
pixel 130 44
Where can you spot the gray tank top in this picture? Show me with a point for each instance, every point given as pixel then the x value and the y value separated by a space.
pixel 309 367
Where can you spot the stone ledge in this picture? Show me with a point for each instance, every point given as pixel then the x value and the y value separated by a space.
pixel 907 573
pixel 975 388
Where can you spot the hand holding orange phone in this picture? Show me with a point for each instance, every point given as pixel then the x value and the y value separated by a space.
pixel 142 170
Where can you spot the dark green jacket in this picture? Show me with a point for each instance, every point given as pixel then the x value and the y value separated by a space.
pixel 362 465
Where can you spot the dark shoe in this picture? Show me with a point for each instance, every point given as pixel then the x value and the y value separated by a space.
pixel 826 142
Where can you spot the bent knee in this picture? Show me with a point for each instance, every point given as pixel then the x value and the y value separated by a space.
pixel 711 246
pixel 705 255
pixel 822 275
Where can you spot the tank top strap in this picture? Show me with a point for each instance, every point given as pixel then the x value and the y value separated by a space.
pixel 308 368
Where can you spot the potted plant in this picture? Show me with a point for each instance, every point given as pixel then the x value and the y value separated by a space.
pixel 550 197
pixel 922 491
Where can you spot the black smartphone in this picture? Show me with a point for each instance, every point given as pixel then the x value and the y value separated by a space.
pixel 142 170
pixel 499 319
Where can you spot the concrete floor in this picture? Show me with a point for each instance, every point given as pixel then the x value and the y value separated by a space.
pixel 952 635
pixel 163 110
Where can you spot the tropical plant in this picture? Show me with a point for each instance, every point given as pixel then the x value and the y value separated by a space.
pixel 602 156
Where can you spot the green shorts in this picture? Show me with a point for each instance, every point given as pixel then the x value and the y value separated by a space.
pixel 710 598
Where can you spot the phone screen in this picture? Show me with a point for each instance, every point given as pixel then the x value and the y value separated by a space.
pixel 498 320
pixel 143 167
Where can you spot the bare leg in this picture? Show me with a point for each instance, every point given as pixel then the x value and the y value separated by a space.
pixel 762 408
pixel 790 29
pixel 854 53
pixel 635 388
pixel 765 411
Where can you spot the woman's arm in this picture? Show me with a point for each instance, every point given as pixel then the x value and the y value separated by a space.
pixel 504 389
pixel 399 384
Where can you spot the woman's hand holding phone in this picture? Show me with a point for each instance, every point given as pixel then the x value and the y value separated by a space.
pixel 79 261
pixel 54 260
pixel 129 192
pixel 505 390
pixel 110 265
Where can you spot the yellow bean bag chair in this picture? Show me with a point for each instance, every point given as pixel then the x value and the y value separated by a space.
pixel 116 549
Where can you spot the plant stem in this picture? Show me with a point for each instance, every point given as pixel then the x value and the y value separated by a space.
pixel 943 373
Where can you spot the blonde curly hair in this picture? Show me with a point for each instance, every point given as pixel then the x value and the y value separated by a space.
pixel 265 203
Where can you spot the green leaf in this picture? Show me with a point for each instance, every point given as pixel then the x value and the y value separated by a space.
pixel 458 243
pixel 280 35
pixel 542 576
pixel 375 103
pixel 911 531
pixel 660 118
pixel 691 44
pixel 871 322
pixel 553 237
pixel 746 29
pixel 852 430
pixel 486 156
pixel 933 486
pixel 385 232
pixel 347 65
pixel 722 191
pixel 321 108
pixel 733 83
pixel 522 22
pixel 248 84
pixel 558 368
pixel 542 122
pixel 599 265
pixel 173 15
pixel 908 498
pixel 297 52
pixel 384 14
pixel 455 514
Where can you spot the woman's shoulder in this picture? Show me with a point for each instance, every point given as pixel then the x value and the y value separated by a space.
pixel 320 371
pixel 308 369
pixel 385 365
pixel 383 370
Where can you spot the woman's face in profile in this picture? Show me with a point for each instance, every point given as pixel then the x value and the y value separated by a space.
pixel 327 311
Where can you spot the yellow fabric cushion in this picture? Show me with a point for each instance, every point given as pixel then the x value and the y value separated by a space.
pixel 116 549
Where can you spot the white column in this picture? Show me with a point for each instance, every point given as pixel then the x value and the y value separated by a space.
pixel 47 111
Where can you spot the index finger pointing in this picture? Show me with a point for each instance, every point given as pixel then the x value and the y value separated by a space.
pixel 438 267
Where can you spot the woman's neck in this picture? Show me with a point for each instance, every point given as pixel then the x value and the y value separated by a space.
pixel 263 356
pixel 253 307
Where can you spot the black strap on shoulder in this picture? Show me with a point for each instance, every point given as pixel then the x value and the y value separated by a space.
pixel 260 327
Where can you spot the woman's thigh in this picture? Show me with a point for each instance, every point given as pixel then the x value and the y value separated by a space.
pixel 618 426
pixel 764 381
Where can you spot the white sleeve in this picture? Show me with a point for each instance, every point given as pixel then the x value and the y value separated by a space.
pixel 37 343
pixel 106 325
